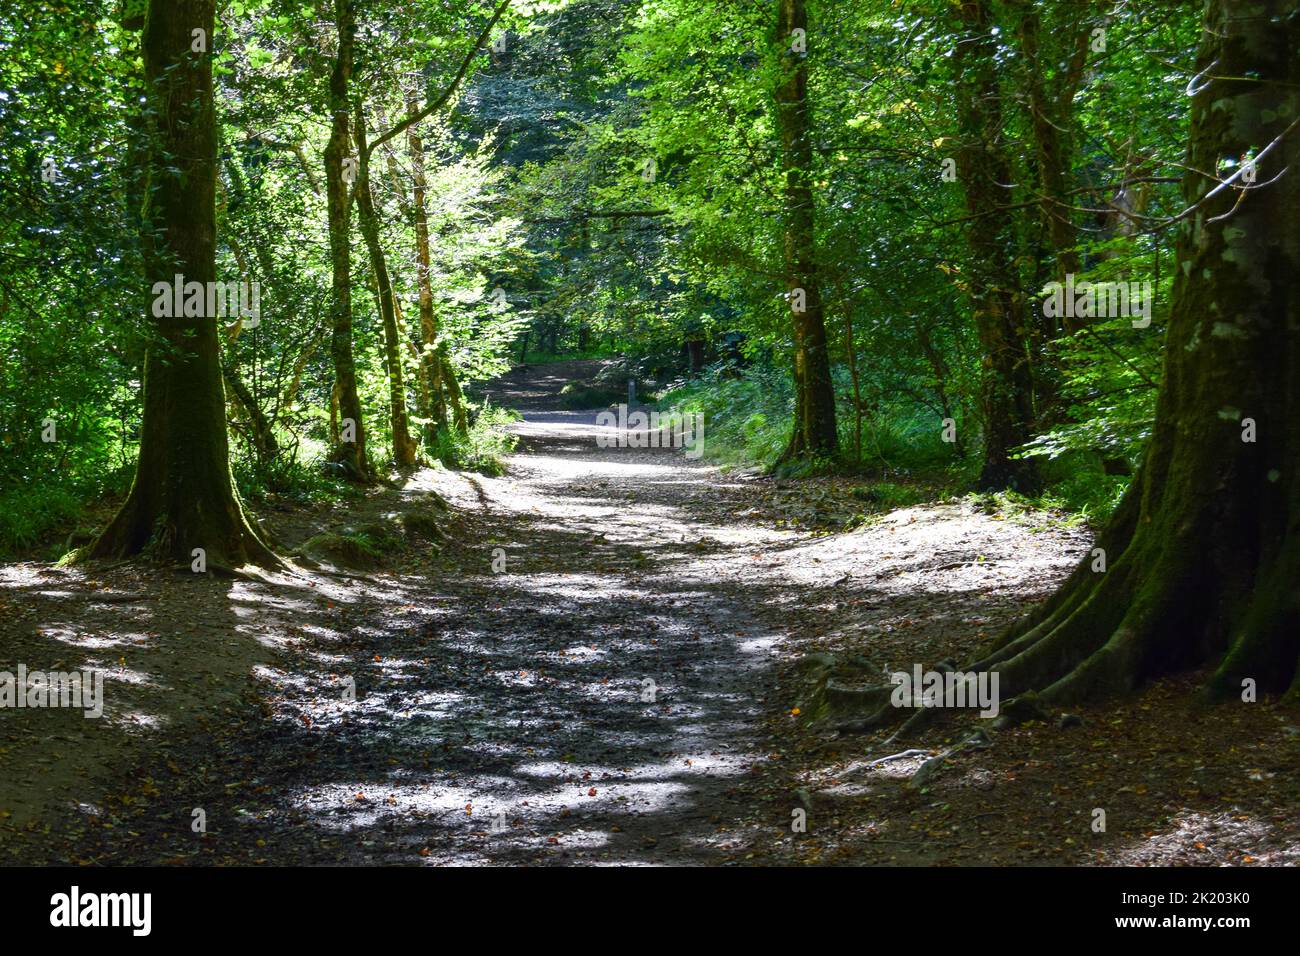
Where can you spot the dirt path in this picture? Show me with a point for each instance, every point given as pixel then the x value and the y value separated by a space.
pixel 596 699
pixel 621 692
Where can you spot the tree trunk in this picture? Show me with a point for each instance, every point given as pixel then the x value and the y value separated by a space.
pixel 1051 120
pixel 1006 390
pixel 934 356
pixel 349 453
pixel 403 447
pixel 183 496
pixel 814 432
pixel 290 393
pixel 334 413
pixel 851 350
pixel 422 399
pixel 455 397
pixel 430 366
pixel 1202 558
pixel 694 351
pixel 261 434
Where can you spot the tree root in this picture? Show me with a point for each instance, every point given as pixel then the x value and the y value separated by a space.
pixel 218 571
pixel 977 740
pixel 898 756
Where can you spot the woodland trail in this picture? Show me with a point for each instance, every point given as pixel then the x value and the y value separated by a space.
pixel 595 701
pixel 624 692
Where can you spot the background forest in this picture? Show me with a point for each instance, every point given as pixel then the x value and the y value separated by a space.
pixel 605 178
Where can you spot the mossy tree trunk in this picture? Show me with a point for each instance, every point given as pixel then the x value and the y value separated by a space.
pixel 261 434
pixel 404 450
pixel 1202 558
pixel 451 389
pixel 350 449
pixel 430 363
pixel 1049 98
pixel 814 431
pixel 1006 387
pixel 183 496
pixel 1053 44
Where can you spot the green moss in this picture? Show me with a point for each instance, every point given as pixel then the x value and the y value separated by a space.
pixel 831 688
pixel 887 495
pixel 384 534
pixel 423 524
pixel 72 557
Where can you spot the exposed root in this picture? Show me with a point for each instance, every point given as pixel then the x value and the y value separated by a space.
pixel 898 756
pixel 217 570
pixel 977 740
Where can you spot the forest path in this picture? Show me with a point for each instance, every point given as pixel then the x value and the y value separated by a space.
pixel 613 696
pixel 595 701
pixel 616 685
pixel 621 693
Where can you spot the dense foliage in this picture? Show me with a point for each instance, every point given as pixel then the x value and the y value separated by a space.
pixel 607 179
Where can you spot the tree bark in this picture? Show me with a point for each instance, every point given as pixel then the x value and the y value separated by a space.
pixel 183 496
pixel 334 412
pixel 851 350
pixel 261 434
pixel 1203 554
pixel 814 433
pixel 451 386
pixel 1051 120
pixel 404 450
pixel 350 454
pixel 430 366
pixel 1006 390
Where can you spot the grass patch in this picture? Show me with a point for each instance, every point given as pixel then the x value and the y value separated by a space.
pixel 746 418
pixel 290 478
pixel 45 509
pixel 889 496
pixel 579 395
pixel 484 448
pixel 28 515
